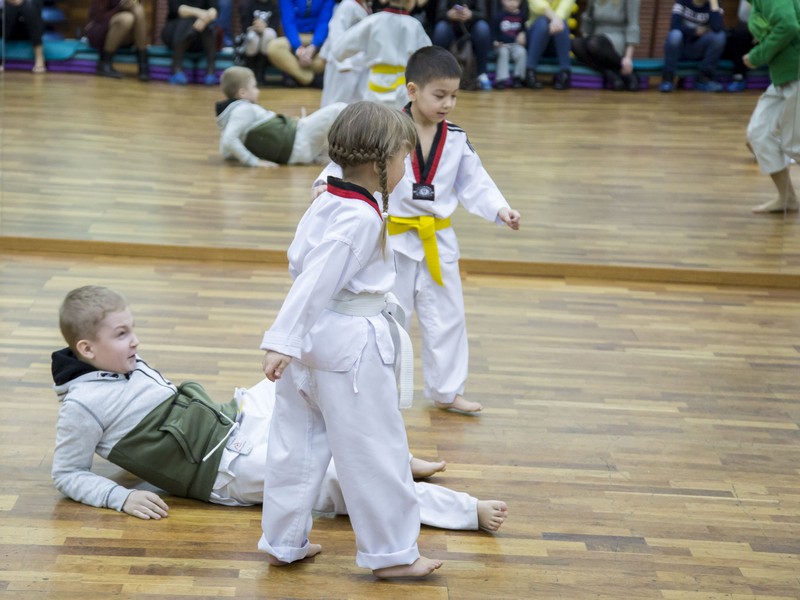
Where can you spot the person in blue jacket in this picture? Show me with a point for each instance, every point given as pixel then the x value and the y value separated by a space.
pixel 305 29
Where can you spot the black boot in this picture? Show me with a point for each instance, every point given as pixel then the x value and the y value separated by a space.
pixel 531 81
pixel 613 80
pixel 632 82
pixel 562 80
pixel 144 65
pixel 105 68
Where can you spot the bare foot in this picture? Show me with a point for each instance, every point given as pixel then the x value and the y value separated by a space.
pixel 460 405
pixel 777 206
pixel 313 550
pixel 491 514
pixel 419 568
pixel 421 469
pixel 39 69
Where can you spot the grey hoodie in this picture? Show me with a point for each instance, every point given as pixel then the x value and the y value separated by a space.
pixel 98 409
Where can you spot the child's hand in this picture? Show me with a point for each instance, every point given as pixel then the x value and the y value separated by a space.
pixel 510 217
pixel 267 163
pixel 275 364
pixel 521 39
pixel 746 61
pixel 145 505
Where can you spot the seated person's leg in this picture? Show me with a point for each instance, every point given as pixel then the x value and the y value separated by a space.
pixel 443 34
pixel 481 44
pixel 673 51
pixel 280 54
pixel 711 45
pixel 561 43
pixel 209 42
pixel 538 39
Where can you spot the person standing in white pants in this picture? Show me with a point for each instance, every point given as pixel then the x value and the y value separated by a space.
pixel 774 129
pixel 338 397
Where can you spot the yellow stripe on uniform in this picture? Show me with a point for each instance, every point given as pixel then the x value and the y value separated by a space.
pixel 398 70
pixel 426 227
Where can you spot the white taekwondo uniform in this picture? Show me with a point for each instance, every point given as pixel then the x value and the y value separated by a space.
pixel 387 39
pixel 339 395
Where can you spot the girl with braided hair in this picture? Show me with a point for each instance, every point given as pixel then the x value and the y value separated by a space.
pixel 331 352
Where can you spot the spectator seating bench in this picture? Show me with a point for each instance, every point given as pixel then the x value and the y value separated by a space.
pixel 71 55
pixel 75 56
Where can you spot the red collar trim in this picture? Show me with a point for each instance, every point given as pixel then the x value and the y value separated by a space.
pixel 424 172
pixel 395 11
pixel 345 189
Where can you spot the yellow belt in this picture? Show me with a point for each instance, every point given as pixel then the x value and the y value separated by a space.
pixel 426 227
pixel 388 70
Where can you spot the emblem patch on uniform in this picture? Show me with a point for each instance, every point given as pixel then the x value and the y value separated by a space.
pixel 423 191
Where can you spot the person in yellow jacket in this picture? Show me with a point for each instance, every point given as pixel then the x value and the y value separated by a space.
pixel 548 34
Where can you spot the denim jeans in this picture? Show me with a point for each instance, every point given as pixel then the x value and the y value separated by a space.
pixel 541 43
pixel 707 49
pixel 445 32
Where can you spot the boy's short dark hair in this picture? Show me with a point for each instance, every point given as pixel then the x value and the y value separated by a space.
pixel 430 63
pixel 83 311
pixel 233 79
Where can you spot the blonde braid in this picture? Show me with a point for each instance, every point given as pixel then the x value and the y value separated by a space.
pixel 366 132
pixel 383 180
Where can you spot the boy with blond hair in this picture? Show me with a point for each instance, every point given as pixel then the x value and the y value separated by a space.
pixel 115 405
pixel 258 137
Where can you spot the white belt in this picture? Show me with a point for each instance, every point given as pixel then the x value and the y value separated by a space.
pixel 371 305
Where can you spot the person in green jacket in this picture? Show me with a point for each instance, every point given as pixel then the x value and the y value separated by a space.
pixel 774 129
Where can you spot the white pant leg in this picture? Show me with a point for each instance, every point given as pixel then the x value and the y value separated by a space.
pixel 768 125
pixel 519 54
pixel 501 64
pixel 440 312
pixel 240 481
pixel 311 138
pixel 368 440
pixel 790 120
pixel 445 508
pixel 297 458
pixel 438 506
pixel 405 284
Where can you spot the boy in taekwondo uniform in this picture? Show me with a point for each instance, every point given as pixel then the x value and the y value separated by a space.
pixel 442 172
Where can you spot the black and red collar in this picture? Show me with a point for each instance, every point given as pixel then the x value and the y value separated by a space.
pixel 395 11
pixel 345 189
pixel 425 171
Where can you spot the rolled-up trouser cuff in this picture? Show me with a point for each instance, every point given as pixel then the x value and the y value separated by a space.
pixel 284 553
pixel 381 561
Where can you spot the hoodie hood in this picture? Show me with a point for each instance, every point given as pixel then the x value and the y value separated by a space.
pixel 67 368
pixel 223 114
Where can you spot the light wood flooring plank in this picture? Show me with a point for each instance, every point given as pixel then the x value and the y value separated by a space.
pixel 645 437
pixel 641 181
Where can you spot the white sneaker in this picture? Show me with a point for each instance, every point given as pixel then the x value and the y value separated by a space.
pixel 483 82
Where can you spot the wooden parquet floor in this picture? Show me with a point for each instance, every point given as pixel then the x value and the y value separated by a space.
pixel 645 433
pixel 645 436
pixel 645 185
